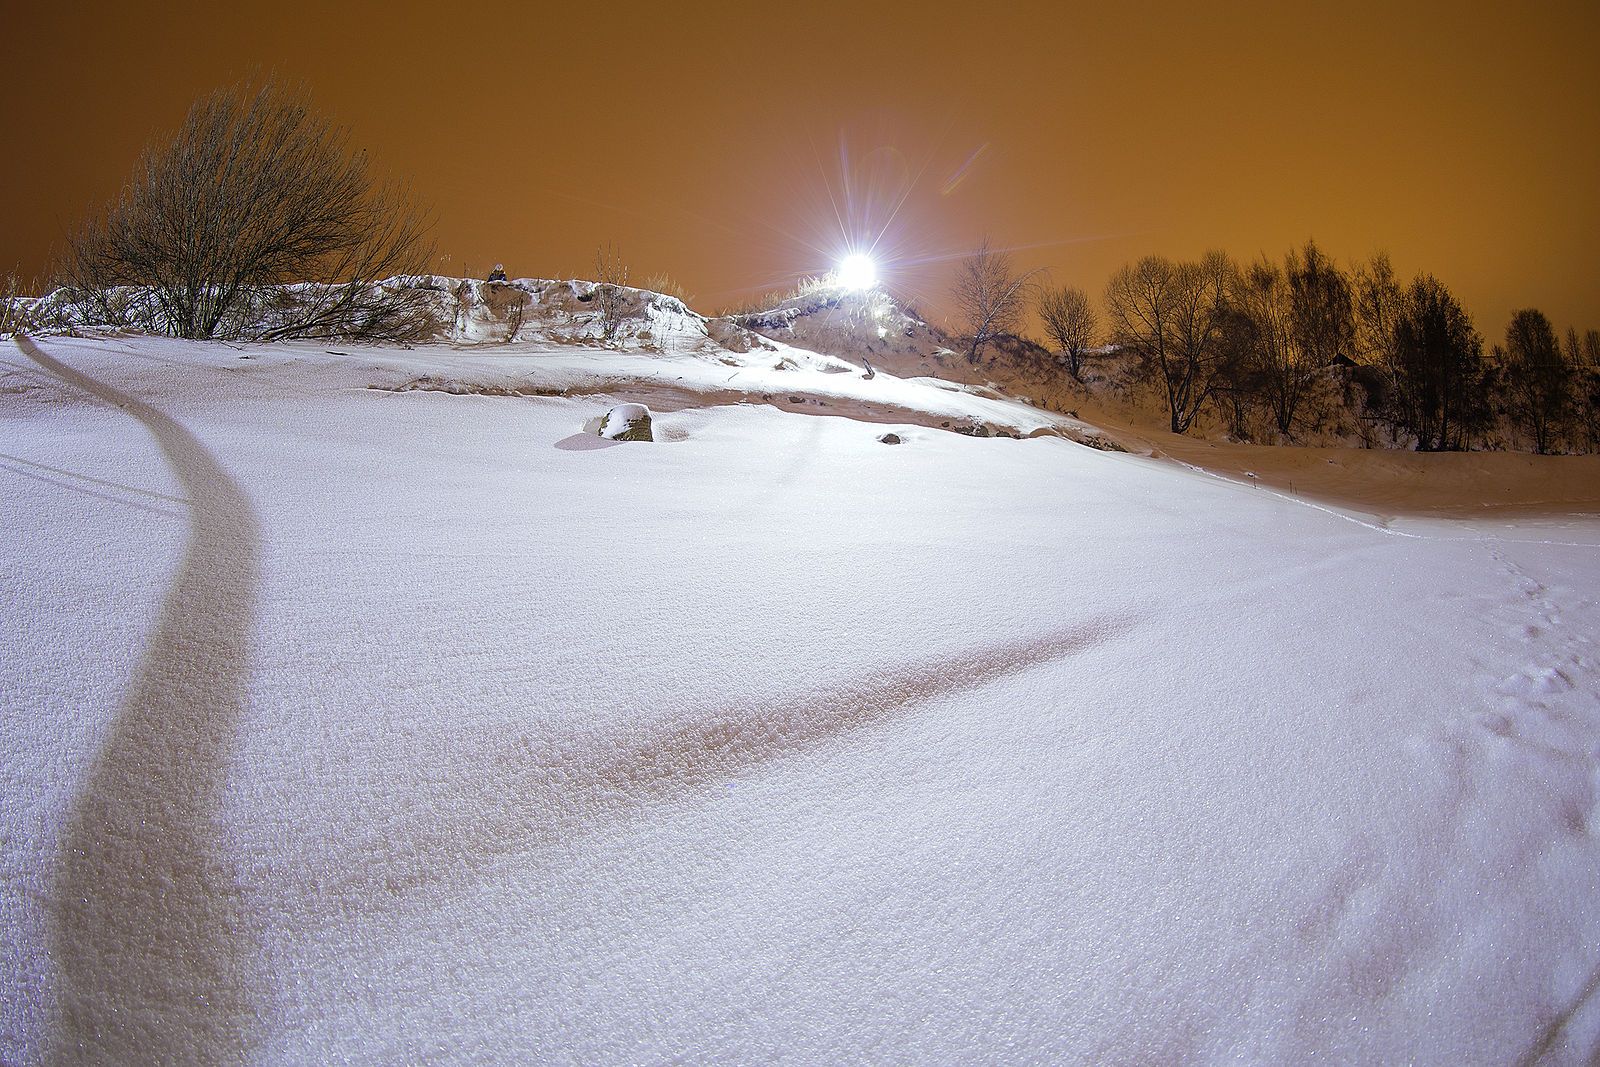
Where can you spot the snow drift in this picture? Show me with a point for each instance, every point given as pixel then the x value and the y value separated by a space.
pixel 352 711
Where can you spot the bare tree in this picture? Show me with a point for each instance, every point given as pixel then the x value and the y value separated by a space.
pixel 1276 366
pixel 1140 303
pixel 1378 299
pixel 989 296
pixel 1537 377
pixel 1587 359
pixel 254 192
pixel 1176 317
pixel 1302 320
pixel 1438 367
pixel 1204 305
pixel 1322 304
pixel 1069 321
pixel 1237 384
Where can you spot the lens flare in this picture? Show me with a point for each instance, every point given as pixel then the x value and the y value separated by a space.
pixel 857 271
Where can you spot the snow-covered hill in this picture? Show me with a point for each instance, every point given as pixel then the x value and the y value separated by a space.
pixel 358 705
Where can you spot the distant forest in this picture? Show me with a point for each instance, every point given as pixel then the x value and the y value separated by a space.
pixel 1301 350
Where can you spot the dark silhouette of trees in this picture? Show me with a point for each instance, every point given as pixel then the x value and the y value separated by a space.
pixel 1585 359
pixel 254 192
pixel 1270 360
pixel 1293 322
pixel 1069 320
pixel 989 297
pixel 1302 343
pixel 1433 379
pixel 1437 367
pixel 1303 321
pixel 1536 378
pixel 1140 304
pixel 1237 379
pixel 1323 306
pixel 1175 317
pixel 1378 298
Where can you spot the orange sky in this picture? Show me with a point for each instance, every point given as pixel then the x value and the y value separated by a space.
pixel 714 143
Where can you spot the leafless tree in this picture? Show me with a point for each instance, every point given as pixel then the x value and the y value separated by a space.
pixel 1322 304
pixel 1585 357
pixel 1438 367
pixel 1140 304
pixel 256 192
pixel 1176 317
pixel 1271 359
pixel 1069 321
pixel 1378 300
pixel 1237 378
pixel 989 296
pixel 1537 377
pixel 1301 320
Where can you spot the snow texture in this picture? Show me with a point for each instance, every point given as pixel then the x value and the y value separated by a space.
pixel 341 723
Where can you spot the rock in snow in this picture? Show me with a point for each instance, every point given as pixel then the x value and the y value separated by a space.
pixel 627 422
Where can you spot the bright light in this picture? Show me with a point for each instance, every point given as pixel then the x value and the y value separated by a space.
pixel 857 271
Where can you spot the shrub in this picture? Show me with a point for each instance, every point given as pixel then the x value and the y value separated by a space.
pixel 255 191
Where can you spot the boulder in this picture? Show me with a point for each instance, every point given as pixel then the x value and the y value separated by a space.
pixel 627 422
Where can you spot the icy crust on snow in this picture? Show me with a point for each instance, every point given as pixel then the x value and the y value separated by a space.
pixel 973 751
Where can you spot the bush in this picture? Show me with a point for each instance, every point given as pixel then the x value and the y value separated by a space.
pixel 256 191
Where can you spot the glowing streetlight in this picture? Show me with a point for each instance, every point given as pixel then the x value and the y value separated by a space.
pixel 857 271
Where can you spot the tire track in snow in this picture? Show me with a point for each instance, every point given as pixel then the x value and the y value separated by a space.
pixel 150 933
pixel 525 797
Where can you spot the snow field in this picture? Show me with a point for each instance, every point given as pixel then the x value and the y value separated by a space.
pixel 768 742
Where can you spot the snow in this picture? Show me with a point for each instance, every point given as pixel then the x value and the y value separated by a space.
pixel 353 711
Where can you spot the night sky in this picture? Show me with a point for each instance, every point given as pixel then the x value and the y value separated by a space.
pixel 740 146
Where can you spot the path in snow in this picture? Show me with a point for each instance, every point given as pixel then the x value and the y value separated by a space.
pixel 1540 726
pixel 149 935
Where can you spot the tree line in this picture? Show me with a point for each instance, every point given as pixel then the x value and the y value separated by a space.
pixel 1280 349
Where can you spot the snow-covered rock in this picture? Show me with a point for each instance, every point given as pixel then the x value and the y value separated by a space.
pixel 626 422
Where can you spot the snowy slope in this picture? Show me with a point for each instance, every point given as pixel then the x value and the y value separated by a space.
pixel 360 707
